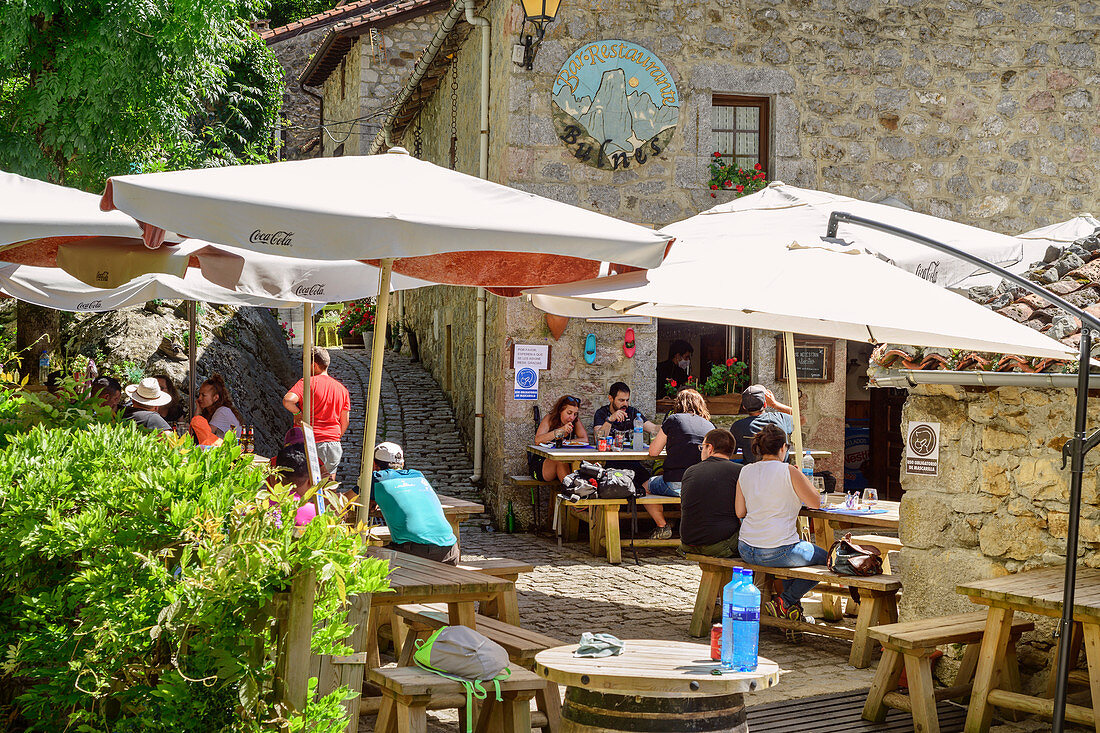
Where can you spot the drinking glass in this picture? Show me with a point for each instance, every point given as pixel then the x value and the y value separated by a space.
pixel 870 497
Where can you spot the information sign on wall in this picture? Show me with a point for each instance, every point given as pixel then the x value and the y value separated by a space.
pixel 922 449
pixel 614 104
pixel 527 384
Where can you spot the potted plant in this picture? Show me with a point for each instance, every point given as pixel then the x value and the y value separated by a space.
pixel 729 177
pixel 356 320
pixel 722 387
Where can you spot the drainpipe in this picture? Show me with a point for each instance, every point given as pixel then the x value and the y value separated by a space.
pixel 483 172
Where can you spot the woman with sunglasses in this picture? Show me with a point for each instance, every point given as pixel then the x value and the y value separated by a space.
pixel 770 494
pixel 561 423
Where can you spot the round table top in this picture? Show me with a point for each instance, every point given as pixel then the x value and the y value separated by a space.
pixel 653 668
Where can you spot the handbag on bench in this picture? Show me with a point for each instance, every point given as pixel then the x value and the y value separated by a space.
pixel 848 558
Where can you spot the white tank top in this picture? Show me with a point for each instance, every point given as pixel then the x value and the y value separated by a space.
pixel 771 504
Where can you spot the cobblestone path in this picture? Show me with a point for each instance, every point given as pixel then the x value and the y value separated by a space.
pixel 570 591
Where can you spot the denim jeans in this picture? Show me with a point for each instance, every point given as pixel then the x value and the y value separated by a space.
pixel 798 555
pixel 659 487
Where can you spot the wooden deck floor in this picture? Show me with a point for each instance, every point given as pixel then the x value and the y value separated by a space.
pixel 840 714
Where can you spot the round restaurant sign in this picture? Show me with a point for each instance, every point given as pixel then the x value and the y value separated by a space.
pixel 614 104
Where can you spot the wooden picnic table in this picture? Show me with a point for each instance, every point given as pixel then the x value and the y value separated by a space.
pixel 1038 592
pixel 670 681
pixel 575 455
pixel 414 579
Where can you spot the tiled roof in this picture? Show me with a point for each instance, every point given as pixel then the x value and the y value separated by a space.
pixel 1071 272
pixel 320 20
pixel 337 42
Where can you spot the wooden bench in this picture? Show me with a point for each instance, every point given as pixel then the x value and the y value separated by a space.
pixel 910 645
pixel 603 515
pixel 536 486
pixel 884 544
pixel 521 644
pixel 408 692
pixel 878 600
pixel 500 568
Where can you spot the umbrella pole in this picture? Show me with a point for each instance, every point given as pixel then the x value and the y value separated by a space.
pixel 192 353
pixel 374 389
pixel 307 362
pixel 792 388
pixel 1077 447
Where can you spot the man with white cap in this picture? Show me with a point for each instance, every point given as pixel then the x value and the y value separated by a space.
pixel 145 397
pixel 411 508
pixel 756 400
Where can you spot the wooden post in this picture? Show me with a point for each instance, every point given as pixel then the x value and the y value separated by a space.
pixel 293 665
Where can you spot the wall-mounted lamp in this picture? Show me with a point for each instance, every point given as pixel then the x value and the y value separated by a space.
pixel 539 13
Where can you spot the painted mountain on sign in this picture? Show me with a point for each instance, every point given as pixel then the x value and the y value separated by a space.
pixel 626 120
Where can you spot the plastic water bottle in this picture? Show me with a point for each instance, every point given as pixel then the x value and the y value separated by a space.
pixel 808 466
pixel 744 621
pixel 639 440
pixel 43 368
pixel 729 613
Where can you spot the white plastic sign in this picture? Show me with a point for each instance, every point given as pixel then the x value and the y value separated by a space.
pixel 922 449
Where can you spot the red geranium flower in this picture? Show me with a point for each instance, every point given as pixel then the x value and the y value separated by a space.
pixel 728 184
pixel 714 195
pixel 691 378
pixel 758 167
pixel 717 155
pixel 740 189
pixel 714 185
pixel 731 361
pixel 672 383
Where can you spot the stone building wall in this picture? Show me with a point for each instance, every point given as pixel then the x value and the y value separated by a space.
pixel 1000 502
pixel 384 69
pixel 342 104
pixel 299 112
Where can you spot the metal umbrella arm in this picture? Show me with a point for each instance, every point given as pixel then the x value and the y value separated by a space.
pixel 1075 449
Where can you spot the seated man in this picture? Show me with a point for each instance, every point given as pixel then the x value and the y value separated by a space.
pixel 755 400
pixel 145 397
pixel 618 416
pixel 708 522
pixel 109 391
pixel 293 471
pixel 411 509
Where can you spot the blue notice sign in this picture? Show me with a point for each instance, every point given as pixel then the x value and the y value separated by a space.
pixel 527 384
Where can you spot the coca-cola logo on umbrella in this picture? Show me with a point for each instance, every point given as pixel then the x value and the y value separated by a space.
pixel 276 239
pixel 614 104
pixel 310 291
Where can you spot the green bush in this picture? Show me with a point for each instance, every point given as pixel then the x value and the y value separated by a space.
pixel 136 585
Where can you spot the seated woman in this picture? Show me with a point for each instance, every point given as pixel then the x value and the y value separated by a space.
pixel 681 436
pixel 216 405
pixel 173 411
pixel 770 493
pixel 560 423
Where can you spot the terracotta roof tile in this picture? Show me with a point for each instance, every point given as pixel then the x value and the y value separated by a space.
pixel 320 20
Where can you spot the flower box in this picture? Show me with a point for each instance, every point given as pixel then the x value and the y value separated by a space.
pixel 723 404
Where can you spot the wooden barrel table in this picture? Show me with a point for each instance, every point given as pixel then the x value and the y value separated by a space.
pixel 653 686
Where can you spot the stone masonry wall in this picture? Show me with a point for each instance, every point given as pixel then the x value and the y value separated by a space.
pixel 299 111
pixel 385 67
pixel 1000 502
pixel 982 112
pixel 342 105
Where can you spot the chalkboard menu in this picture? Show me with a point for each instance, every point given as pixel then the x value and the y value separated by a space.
pixel 813 359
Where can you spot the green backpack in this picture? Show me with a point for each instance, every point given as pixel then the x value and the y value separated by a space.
pixel 463 655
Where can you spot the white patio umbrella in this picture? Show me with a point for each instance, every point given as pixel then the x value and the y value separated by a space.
pixel 409 216
pixel 821 290
pixel 802 214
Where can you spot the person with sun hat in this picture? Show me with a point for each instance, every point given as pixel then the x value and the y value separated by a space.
pixel 145 397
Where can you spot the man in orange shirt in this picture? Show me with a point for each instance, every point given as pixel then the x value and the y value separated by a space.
pixel 331 405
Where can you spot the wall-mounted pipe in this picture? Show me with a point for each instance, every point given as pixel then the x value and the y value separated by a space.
pixel 905 378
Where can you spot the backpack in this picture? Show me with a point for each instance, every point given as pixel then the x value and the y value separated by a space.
pixel 616 483
pixel 463 655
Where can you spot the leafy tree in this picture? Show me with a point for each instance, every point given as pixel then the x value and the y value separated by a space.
pixel 282 12
pixel 98 88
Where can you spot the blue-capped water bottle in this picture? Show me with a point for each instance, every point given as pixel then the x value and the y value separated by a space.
pixel 746 625
pixel 729 613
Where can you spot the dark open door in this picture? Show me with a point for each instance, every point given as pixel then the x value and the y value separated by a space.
pixel 887 443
